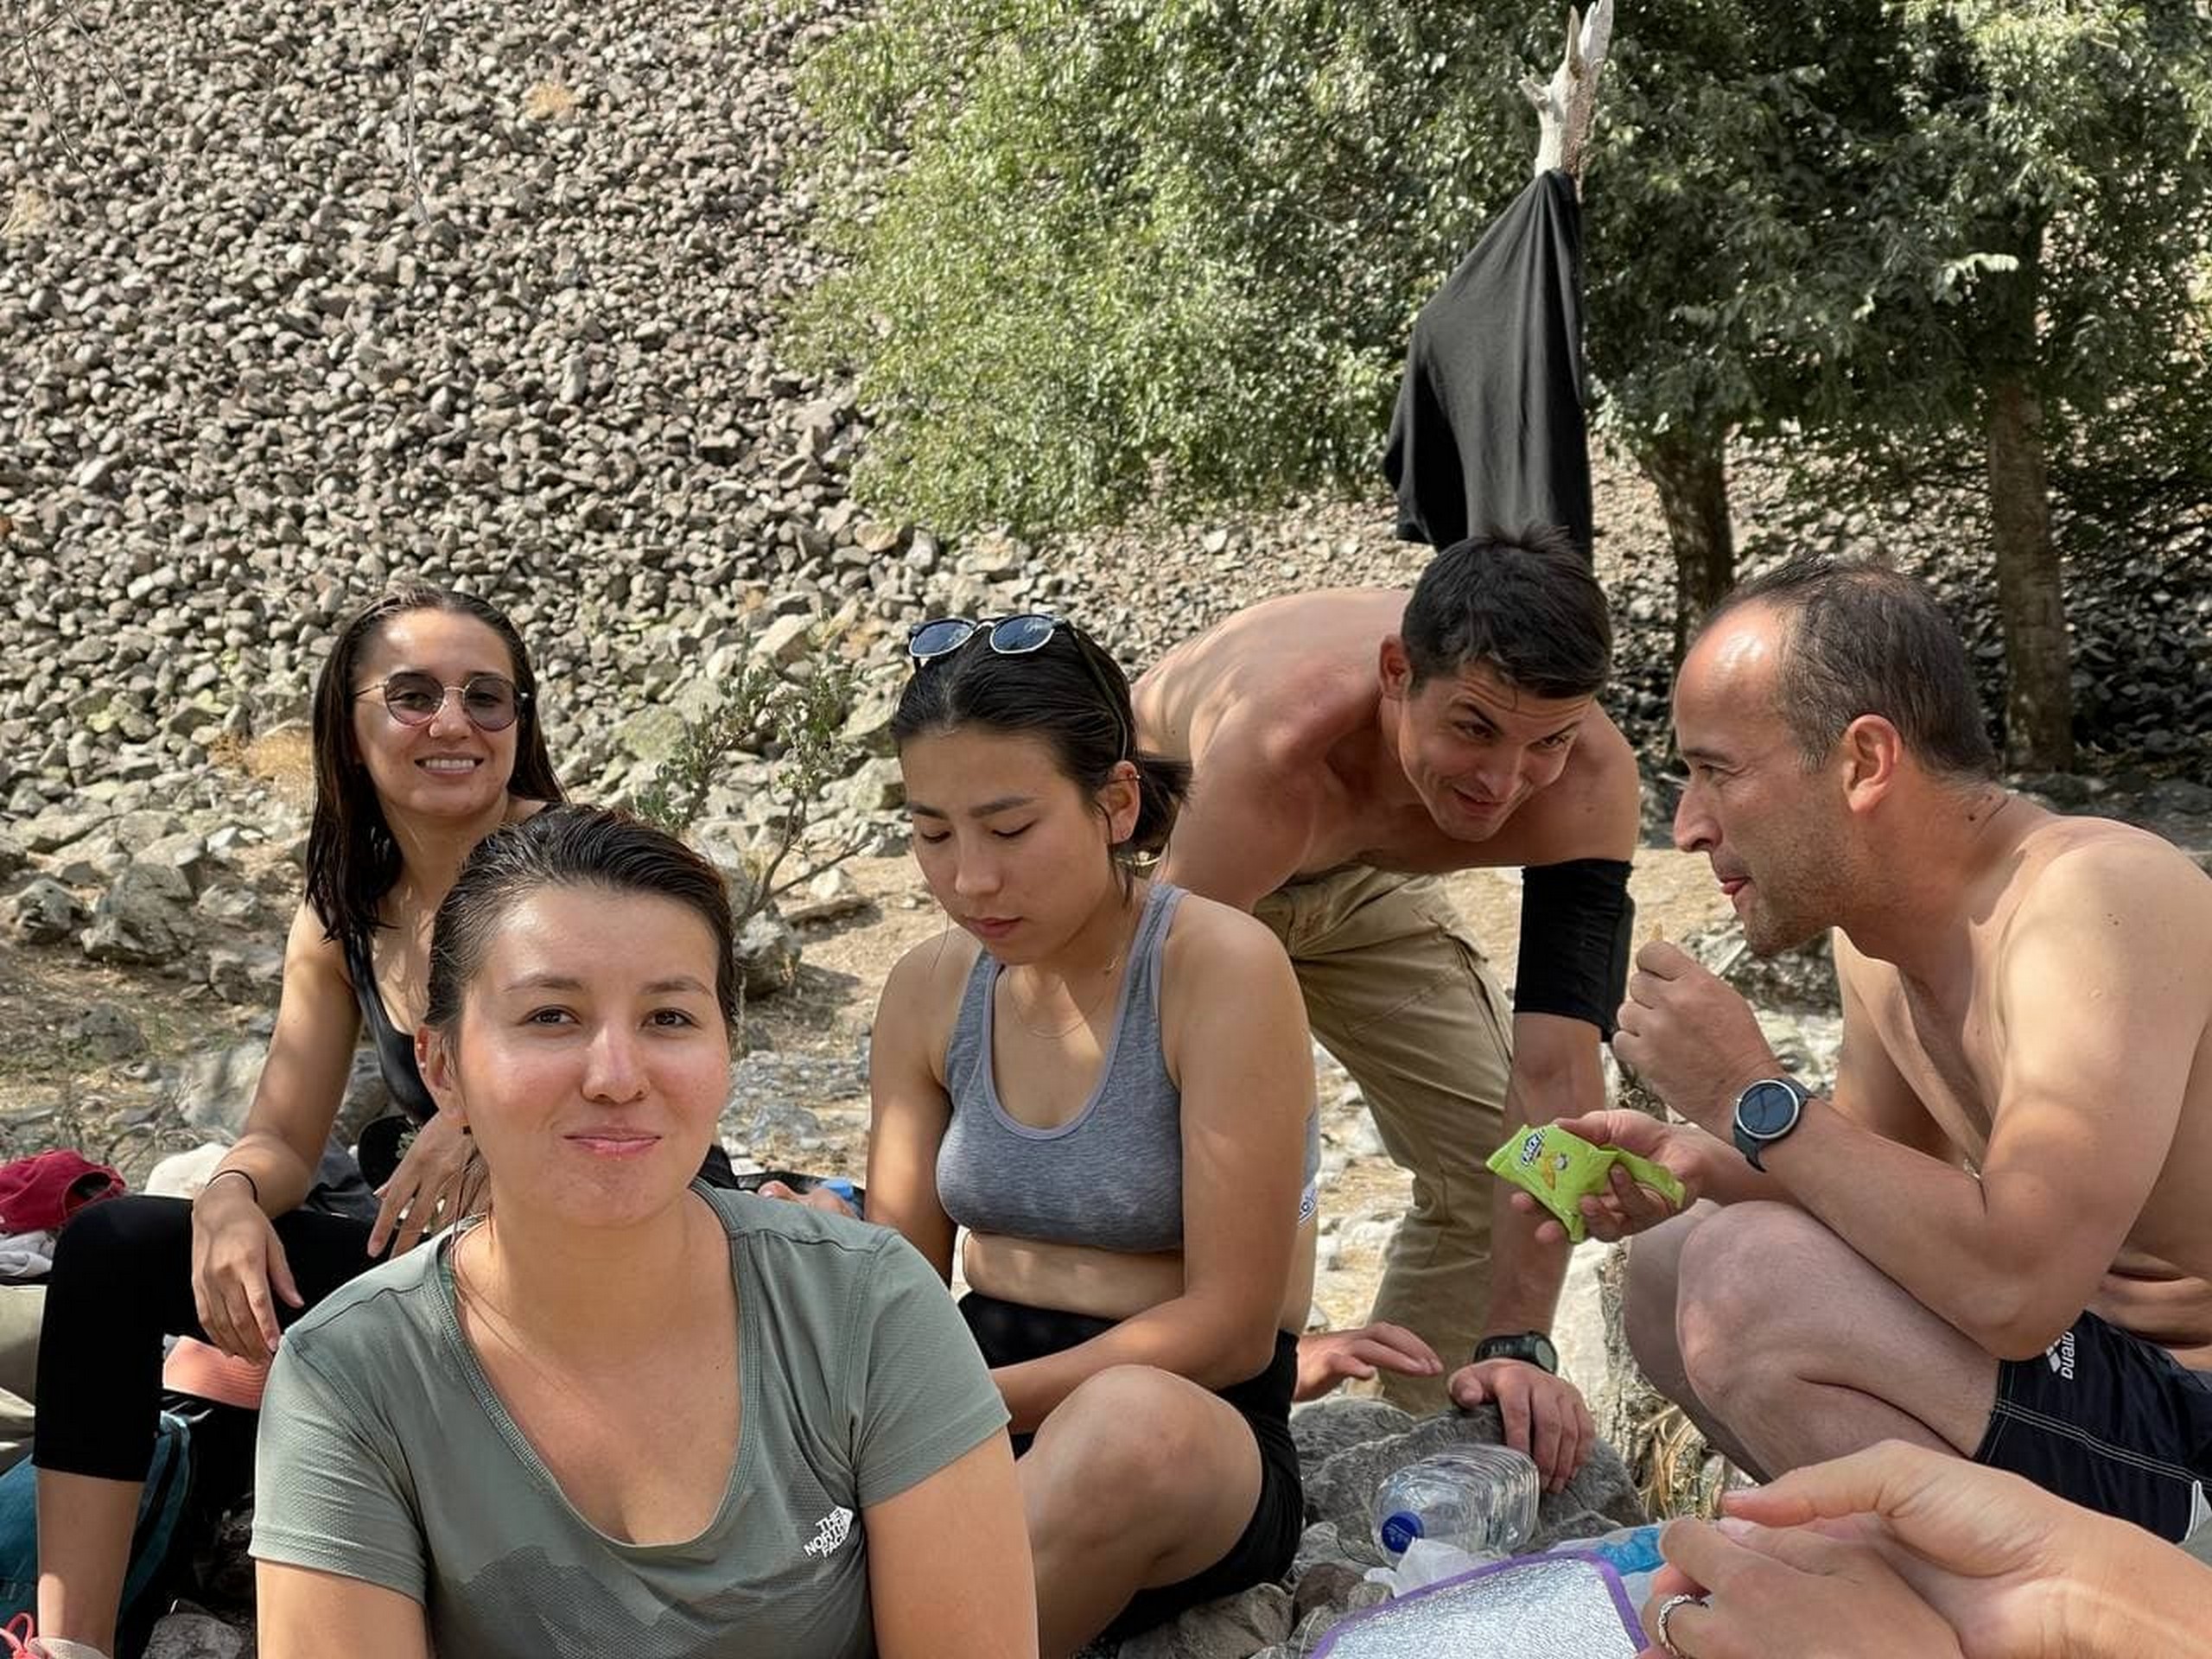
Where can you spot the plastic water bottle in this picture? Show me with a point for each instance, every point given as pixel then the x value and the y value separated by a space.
pixel 1478 1498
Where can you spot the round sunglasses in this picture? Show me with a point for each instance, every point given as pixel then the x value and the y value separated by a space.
pixel 413 698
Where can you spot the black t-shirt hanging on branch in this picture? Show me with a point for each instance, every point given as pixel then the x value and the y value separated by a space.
pixel 1487 434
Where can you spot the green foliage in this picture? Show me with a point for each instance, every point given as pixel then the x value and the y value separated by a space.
pixel 1136 250
pixel 798 722
pixel 1168 251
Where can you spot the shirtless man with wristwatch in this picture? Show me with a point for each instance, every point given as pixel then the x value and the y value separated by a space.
pixel 1990 1237
pixel 1346 747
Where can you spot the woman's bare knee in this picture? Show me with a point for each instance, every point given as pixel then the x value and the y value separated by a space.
pixel 1131 1443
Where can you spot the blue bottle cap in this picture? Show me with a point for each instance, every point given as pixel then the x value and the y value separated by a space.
pixel 1401 1529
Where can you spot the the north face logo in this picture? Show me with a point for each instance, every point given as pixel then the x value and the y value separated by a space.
pixel 2061 1356
pixel 831 1531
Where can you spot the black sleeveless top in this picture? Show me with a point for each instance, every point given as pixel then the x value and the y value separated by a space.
pixel 394 1049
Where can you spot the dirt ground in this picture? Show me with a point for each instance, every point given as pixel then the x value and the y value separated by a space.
pixel 53 1092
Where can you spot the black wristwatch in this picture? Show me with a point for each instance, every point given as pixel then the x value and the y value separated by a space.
pixel 1765 1112
pixel 1532 1346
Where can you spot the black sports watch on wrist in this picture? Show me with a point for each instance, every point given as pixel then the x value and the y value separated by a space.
pixel 1765 1112
pixel 1532 1347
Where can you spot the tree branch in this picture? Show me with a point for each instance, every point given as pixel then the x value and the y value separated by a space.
pixel 1567 105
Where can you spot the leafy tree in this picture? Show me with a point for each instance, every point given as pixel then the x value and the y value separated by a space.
pixel 1145 249
pixel 1169 250
pixel 2048 212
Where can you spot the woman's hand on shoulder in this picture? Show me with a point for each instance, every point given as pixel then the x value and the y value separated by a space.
pixel 438 1181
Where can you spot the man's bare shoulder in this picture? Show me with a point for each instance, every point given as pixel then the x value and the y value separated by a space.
pixel 2074 872
pixel 1268 691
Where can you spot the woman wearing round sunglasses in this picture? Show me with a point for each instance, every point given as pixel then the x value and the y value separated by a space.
pixel 1109 1083
pixel 426 739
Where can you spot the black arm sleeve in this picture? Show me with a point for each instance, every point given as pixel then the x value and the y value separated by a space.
pixel 1576 918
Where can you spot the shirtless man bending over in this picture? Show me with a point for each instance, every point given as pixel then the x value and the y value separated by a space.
pixel 1345 746
pixel 1992 1238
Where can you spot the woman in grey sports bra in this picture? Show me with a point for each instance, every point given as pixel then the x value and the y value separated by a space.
pixel 1109 1083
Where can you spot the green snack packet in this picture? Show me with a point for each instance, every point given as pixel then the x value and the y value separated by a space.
pixel 1559 1170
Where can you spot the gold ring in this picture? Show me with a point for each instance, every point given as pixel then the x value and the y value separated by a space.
pixel 1668 1609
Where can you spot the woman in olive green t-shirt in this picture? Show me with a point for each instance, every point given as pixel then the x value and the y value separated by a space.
pixel 623 1414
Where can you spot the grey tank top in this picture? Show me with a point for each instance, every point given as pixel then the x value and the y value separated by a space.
pixel 1111 1177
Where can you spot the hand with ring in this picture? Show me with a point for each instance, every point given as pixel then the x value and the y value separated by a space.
pixel 1736 1590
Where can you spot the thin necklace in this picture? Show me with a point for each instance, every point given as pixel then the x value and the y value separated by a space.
pixel 1083 1010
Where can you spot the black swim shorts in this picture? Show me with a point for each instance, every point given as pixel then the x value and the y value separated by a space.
pixel 1010 1332
pixel 2111 1422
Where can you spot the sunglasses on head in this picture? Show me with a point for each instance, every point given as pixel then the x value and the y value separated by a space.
pixel 413 698
pixel 1009 636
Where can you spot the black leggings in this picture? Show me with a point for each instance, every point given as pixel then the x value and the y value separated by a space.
pixel 122 1281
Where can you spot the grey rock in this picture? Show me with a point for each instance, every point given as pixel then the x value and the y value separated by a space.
pixel 211 1090
pixel 52 830
pixel 238 907
pixel 249 973
pixel 1342 1488
pixel 43 911
pixel 767 954
pixel 1342 1421
pixel 14 856
pixel 1801 980
pixel 144 917
pixel 878 786
pixel 107 1032
pixel 1228 1629
pixel 652 735
pixel 2181 797
pixel 783 641
pixel 196 1636
pixel 868 728
pixel 830 895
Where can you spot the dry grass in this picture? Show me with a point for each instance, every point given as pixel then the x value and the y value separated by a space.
pixel 30 213
pixel 548 101
pixel 1676 1472
pixel 282 756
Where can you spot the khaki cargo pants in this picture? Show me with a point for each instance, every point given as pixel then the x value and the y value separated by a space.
pixel 1402 997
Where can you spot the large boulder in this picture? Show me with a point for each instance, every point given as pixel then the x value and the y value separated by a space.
pixel 1341 1490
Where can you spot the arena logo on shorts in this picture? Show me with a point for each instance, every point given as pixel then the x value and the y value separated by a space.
pixel 2061 1356
pixel 831 1531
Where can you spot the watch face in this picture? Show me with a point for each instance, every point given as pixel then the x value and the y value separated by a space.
pixel 1767 1108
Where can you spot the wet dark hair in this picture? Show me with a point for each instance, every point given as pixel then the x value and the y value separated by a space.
pixel 1863 639
pixel 570 847
pixel 1068 692
pixel 352 858
pixel 1525 605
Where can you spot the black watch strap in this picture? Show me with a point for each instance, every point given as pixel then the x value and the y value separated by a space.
pixel 1531 1347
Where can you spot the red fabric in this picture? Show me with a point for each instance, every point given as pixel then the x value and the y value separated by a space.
pixel 38 1193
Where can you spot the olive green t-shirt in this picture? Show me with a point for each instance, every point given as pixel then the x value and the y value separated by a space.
pixel 385 1456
